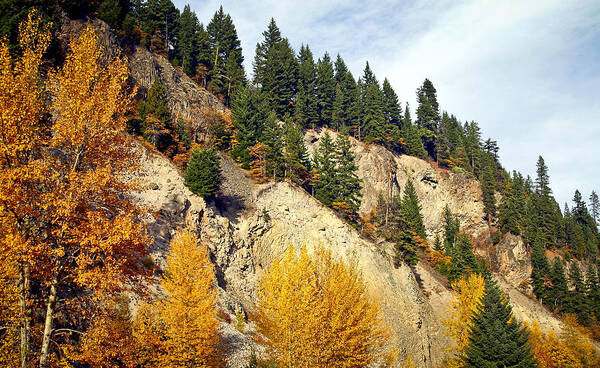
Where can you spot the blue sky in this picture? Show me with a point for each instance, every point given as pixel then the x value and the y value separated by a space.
pixel 527 71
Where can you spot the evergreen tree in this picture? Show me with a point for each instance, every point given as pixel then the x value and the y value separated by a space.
pixel 279 78
pixel 473 146
pixel 540 271
pixel 337 117
pixel 595 207
pixel 413 143
pixel 545 205
pixel 157 124
pixel 411 209
pixel 593 290
pixel 451 229
pixel 163 17
pixel 497 338
pixel 428 115
pixel 271 136
pixel 391 107
pixel 248 116
pixel 187 41
pixel 347 183
pixel 324 164
pixel 203 57
pixel 577 296
pixel 512 208
pixel 488 192
pixel 373 118
pixel 307 110
pixel 325 89
pixel 297 164
pixel 558 294
pixel 272 36
pixel 203 173
pixel 227 67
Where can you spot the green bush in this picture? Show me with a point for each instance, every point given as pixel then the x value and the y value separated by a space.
pixel 203 173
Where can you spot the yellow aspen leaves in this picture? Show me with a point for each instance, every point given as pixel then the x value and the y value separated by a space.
pixel 314 311
pixel 468 292
pixel 188 311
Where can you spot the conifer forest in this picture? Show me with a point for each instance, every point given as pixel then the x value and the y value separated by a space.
pixel 163 204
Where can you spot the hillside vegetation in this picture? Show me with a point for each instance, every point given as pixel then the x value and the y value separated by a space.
pixel 159 208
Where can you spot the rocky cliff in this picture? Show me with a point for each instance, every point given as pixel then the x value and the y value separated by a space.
pixel 251 224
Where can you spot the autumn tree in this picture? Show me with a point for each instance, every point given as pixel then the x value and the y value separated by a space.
pixel 468 292
pixel 92 239
pixel 315 311
pixel 188 311
pixel 23 127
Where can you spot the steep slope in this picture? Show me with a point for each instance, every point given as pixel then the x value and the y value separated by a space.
pixel 249 225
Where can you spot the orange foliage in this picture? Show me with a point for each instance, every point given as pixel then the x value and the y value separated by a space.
pixel 316 312
pixel 258 165
pixel 468 292
pixel 367 223
pixel 62 211
pixel 188 311
pixel 436 257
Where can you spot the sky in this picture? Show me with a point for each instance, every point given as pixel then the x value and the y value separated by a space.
pixel 528 71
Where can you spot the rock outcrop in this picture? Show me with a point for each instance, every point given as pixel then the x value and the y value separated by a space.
pixel 249 225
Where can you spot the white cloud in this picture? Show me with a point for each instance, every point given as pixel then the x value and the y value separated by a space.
pixel 528 71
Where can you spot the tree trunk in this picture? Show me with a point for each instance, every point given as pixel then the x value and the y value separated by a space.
pixel 25 324
pixel 48 324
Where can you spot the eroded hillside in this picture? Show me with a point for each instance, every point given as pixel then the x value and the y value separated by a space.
pixel 251 224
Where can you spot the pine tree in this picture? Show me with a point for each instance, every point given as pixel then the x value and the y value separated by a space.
pixel 595 207
pixel 297 164
pixel 540 271
pixel 373 118
pixel 511 211
pixel 308 113
pixel 279 78
pixel 227 68
pixel 451 229
pixel 271 136
pixel 412 137
pixel 593 290
pixel 248 116
pixel 391 106
pixel 337 118
pixel 577 296
pixel 545 205
pixel 160 16
pixel 187 41
pixel 324 164
pixel 272 36
pixel 203 57
pixel 156 116
pixel 488 192
pixel 558 294
pixel 497 338
pixel 203 173
pixel 428 115
pixel 411 209
pixel 347 183
pixel 325 89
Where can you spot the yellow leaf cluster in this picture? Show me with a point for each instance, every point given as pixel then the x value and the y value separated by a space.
pixel 468 292
pixel 189 310
pixel 64 216
pixel 315 311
